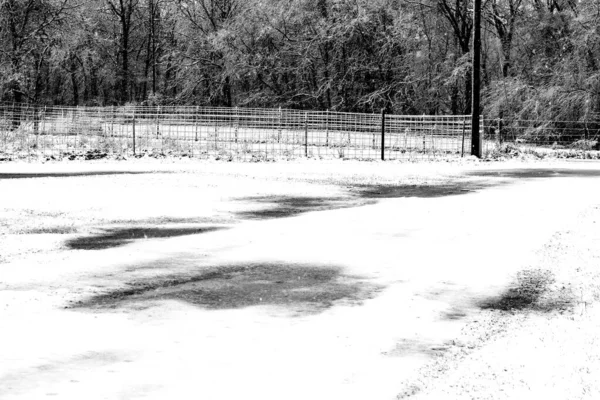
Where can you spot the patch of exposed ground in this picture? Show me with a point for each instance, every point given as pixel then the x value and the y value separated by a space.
pixel 538 339
pixel 355 195
pixel 300 288
pixel 528 173
pixel 289 206
pixel 24 175
pixel 425 190
pixel 532 290
pixel 115 237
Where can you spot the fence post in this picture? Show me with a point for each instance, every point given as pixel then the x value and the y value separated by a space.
pixel 36 120
pixel 481 136
pixel 327 128
pixel 134 132
pixel 500 135
pixel 279 126
pixel 15 117
pixel 431 138
pixel 112 121
pixel 12 116
pixel 3 134
pixel 237 123
pixel 585 132
pixel 76 127
pixel 306 134
pixel 374 144
pixel 216 133
pixel 158 121
pixel 383 134
pixel 462 153
pixel 423 133
pixel 43 121
pixel 196 123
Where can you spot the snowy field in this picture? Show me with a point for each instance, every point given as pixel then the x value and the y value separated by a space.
pixel 298 280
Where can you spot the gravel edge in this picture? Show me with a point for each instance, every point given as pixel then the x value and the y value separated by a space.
pixel 546 349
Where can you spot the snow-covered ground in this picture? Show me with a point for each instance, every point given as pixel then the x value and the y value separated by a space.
pixel 295 280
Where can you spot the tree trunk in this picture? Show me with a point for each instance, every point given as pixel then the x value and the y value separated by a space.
pixel 125 65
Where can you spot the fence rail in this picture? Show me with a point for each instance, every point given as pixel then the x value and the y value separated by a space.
pixel 28 130
pixel 245 134
pixel 556 134
pixel 250 133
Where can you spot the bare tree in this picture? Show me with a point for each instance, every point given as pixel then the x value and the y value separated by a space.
pixel 503 16
pixel 26 28
pixel 124 10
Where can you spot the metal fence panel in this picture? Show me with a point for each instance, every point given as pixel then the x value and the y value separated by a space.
pixel 225 133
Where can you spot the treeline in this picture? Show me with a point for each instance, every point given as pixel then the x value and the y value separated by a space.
pixel 541 58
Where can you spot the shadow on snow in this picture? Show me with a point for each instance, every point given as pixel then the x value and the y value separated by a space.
pixel 19 175
pixel 526 173
pixel 305 289
pixel 288 206
pixel 419 191
pixel 358 195
pixel 119 237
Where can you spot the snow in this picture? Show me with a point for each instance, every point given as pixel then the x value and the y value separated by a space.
pixel 433 259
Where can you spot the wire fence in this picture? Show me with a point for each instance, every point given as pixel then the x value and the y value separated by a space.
pixel 28 130
pixel 566 139
pixel 558 134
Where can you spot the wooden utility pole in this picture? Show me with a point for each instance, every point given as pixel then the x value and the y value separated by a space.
pixel 475 134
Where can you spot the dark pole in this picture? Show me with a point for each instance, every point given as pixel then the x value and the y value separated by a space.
pixel 462 153
pixel 475 135
pixel 134 132
pixel 306 135
pixel 383 134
